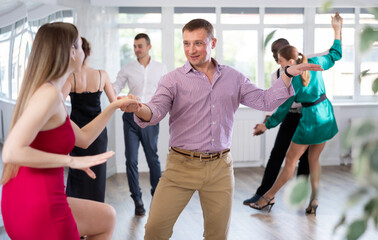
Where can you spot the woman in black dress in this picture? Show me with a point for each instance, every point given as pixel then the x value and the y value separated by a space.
pixel 85 89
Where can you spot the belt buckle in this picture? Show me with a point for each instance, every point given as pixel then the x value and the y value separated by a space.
pixel 211 157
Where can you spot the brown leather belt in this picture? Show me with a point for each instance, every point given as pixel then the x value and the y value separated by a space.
pixel 203 157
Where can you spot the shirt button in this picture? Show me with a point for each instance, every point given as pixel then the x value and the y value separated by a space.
pixel 213 106
pixel 212 140
pixel 213 122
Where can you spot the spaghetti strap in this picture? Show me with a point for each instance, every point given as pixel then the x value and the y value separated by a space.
pixel 74 82
pixel 61 98
pixel 99 86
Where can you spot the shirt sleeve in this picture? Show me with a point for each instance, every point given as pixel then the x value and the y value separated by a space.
pixel 280 114
pixel 121 80
pixel 317 54
pixel 160 103
pixel 265 100
pixel 273 79
pixel 335 54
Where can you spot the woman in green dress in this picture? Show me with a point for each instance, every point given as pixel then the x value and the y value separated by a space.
pixel 317 124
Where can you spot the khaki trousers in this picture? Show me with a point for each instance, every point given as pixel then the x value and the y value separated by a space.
pixel 214 181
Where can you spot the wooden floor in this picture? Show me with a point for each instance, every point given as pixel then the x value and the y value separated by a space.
pixel 246 223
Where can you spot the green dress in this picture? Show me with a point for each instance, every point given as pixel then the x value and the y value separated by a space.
pixel 317 123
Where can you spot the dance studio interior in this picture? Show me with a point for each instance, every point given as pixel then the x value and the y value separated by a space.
pixel 245 30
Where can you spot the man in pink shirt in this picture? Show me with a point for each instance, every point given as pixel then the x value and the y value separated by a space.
pixel 202 97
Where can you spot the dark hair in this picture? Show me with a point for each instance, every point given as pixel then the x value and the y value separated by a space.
pixel 290 52
pixel 86 48
pixel 143 35
pixel 276 45
pixel 198 24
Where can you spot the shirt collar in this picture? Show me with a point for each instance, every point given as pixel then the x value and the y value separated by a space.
pixel 188 67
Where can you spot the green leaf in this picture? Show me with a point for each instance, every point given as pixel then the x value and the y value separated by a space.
pixel 356 197
pixel 340 223
pixel 365 129
pixel 368 37
pixel 356 229
pixel 326 6
pixel 296 192
pixel 374 11
pixel 375 86
pixel 374 158
pixel 376 221
pixel 300 192
pixel 369 207
pixel 268 38
pixel 363 74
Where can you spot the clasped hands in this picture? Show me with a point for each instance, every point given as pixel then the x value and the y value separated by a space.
pixel 130 106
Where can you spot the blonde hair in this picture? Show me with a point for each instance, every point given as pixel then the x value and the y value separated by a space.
pixel 290 52
pixel 49 59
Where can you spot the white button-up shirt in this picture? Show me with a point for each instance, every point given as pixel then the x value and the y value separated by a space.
pixel 142 81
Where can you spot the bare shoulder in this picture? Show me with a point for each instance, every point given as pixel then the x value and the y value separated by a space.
pixel 46 95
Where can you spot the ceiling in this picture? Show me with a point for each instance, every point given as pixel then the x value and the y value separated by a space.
pixel 14 10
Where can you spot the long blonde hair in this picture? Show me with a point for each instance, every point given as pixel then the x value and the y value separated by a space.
pixel 49 59
pixel 290 52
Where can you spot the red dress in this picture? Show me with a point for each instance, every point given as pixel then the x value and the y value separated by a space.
pixel 34 204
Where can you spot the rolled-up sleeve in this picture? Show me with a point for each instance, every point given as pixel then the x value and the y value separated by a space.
pixel 160 103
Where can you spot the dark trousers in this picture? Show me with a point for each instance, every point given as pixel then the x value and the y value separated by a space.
pixel 278 153
pixel 148 137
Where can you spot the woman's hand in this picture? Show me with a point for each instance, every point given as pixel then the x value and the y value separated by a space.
pixel 337 23
pixel 259 129
pixel 129 103
pixel 84 163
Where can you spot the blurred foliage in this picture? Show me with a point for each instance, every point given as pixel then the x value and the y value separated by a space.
pixel 327 5
pixel 362 138
pixel 369 36
pixel 268 38
pixel 297 192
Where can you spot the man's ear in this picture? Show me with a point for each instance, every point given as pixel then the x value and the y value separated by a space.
pixel 213 43
pixel 292 62
pixel 149 47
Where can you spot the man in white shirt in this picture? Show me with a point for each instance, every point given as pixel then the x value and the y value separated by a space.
pixel 142 77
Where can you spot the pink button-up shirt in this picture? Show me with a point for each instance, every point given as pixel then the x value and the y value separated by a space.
pixel 202 113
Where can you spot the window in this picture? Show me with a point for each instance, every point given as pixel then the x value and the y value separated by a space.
pixel 16 67
pixel 339 80
pixel 367 17
pixel 129 15
pixel 5 34
pixel 15 46
pixel 240 16
pixel 325 17
pixel 283 15
pixel 185 14
pixel 369 62
pixel 240 51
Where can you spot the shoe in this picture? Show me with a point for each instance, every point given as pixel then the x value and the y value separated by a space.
pixel 311 209
pixel 139 208
pixel 269 204
pixel 253 199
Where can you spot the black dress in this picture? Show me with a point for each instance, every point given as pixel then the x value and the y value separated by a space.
pixel 85 107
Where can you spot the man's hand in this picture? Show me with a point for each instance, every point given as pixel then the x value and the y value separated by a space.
pixel 259 129
pixel 130 106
